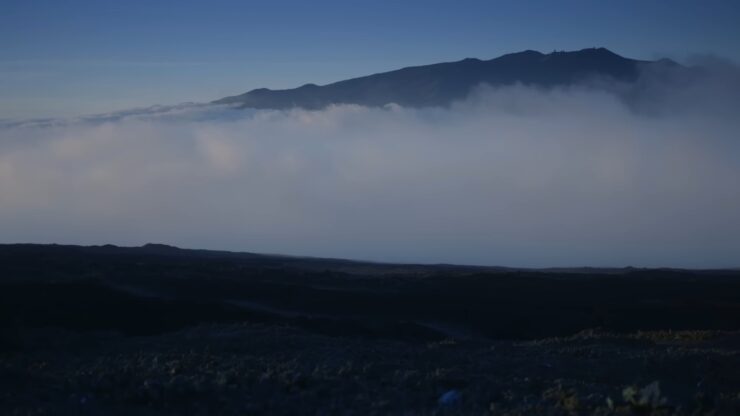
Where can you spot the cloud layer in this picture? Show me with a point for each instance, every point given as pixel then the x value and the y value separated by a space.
pixel 513 176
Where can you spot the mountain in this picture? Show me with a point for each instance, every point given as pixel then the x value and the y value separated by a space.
pixel 442 83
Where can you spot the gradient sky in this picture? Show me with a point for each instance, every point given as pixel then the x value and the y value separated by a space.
pixel 64 58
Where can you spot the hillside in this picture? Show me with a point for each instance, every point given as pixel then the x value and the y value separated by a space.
pixel 442 83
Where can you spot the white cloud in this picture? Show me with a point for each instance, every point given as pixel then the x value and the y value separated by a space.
pixel 514 176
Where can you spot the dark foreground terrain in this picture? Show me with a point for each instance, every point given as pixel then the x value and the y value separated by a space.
pixel 159 330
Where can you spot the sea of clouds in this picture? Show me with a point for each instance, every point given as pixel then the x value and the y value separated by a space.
pixel 643 175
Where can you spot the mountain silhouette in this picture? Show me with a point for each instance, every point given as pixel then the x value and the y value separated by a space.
pixel 442 83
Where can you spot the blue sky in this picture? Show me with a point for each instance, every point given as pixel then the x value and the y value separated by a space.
pixel 64 58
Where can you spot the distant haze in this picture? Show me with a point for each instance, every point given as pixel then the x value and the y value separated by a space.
pixel 513 176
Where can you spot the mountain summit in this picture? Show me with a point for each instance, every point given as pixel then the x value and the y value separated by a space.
pixel 440 84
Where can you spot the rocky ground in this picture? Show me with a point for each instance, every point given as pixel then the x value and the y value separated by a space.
pixel 157 330
pixel 256 369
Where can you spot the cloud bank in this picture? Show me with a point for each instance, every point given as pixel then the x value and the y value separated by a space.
pixel 647 175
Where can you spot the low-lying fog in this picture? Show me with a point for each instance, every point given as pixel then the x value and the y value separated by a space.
pixel 516 176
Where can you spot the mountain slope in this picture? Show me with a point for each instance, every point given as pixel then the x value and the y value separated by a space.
pixel 440 84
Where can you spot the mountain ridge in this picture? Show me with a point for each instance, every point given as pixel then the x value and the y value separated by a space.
pixel 442 83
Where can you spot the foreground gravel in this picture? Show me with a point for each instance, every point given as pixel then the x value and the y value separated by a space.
pixel 256 369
